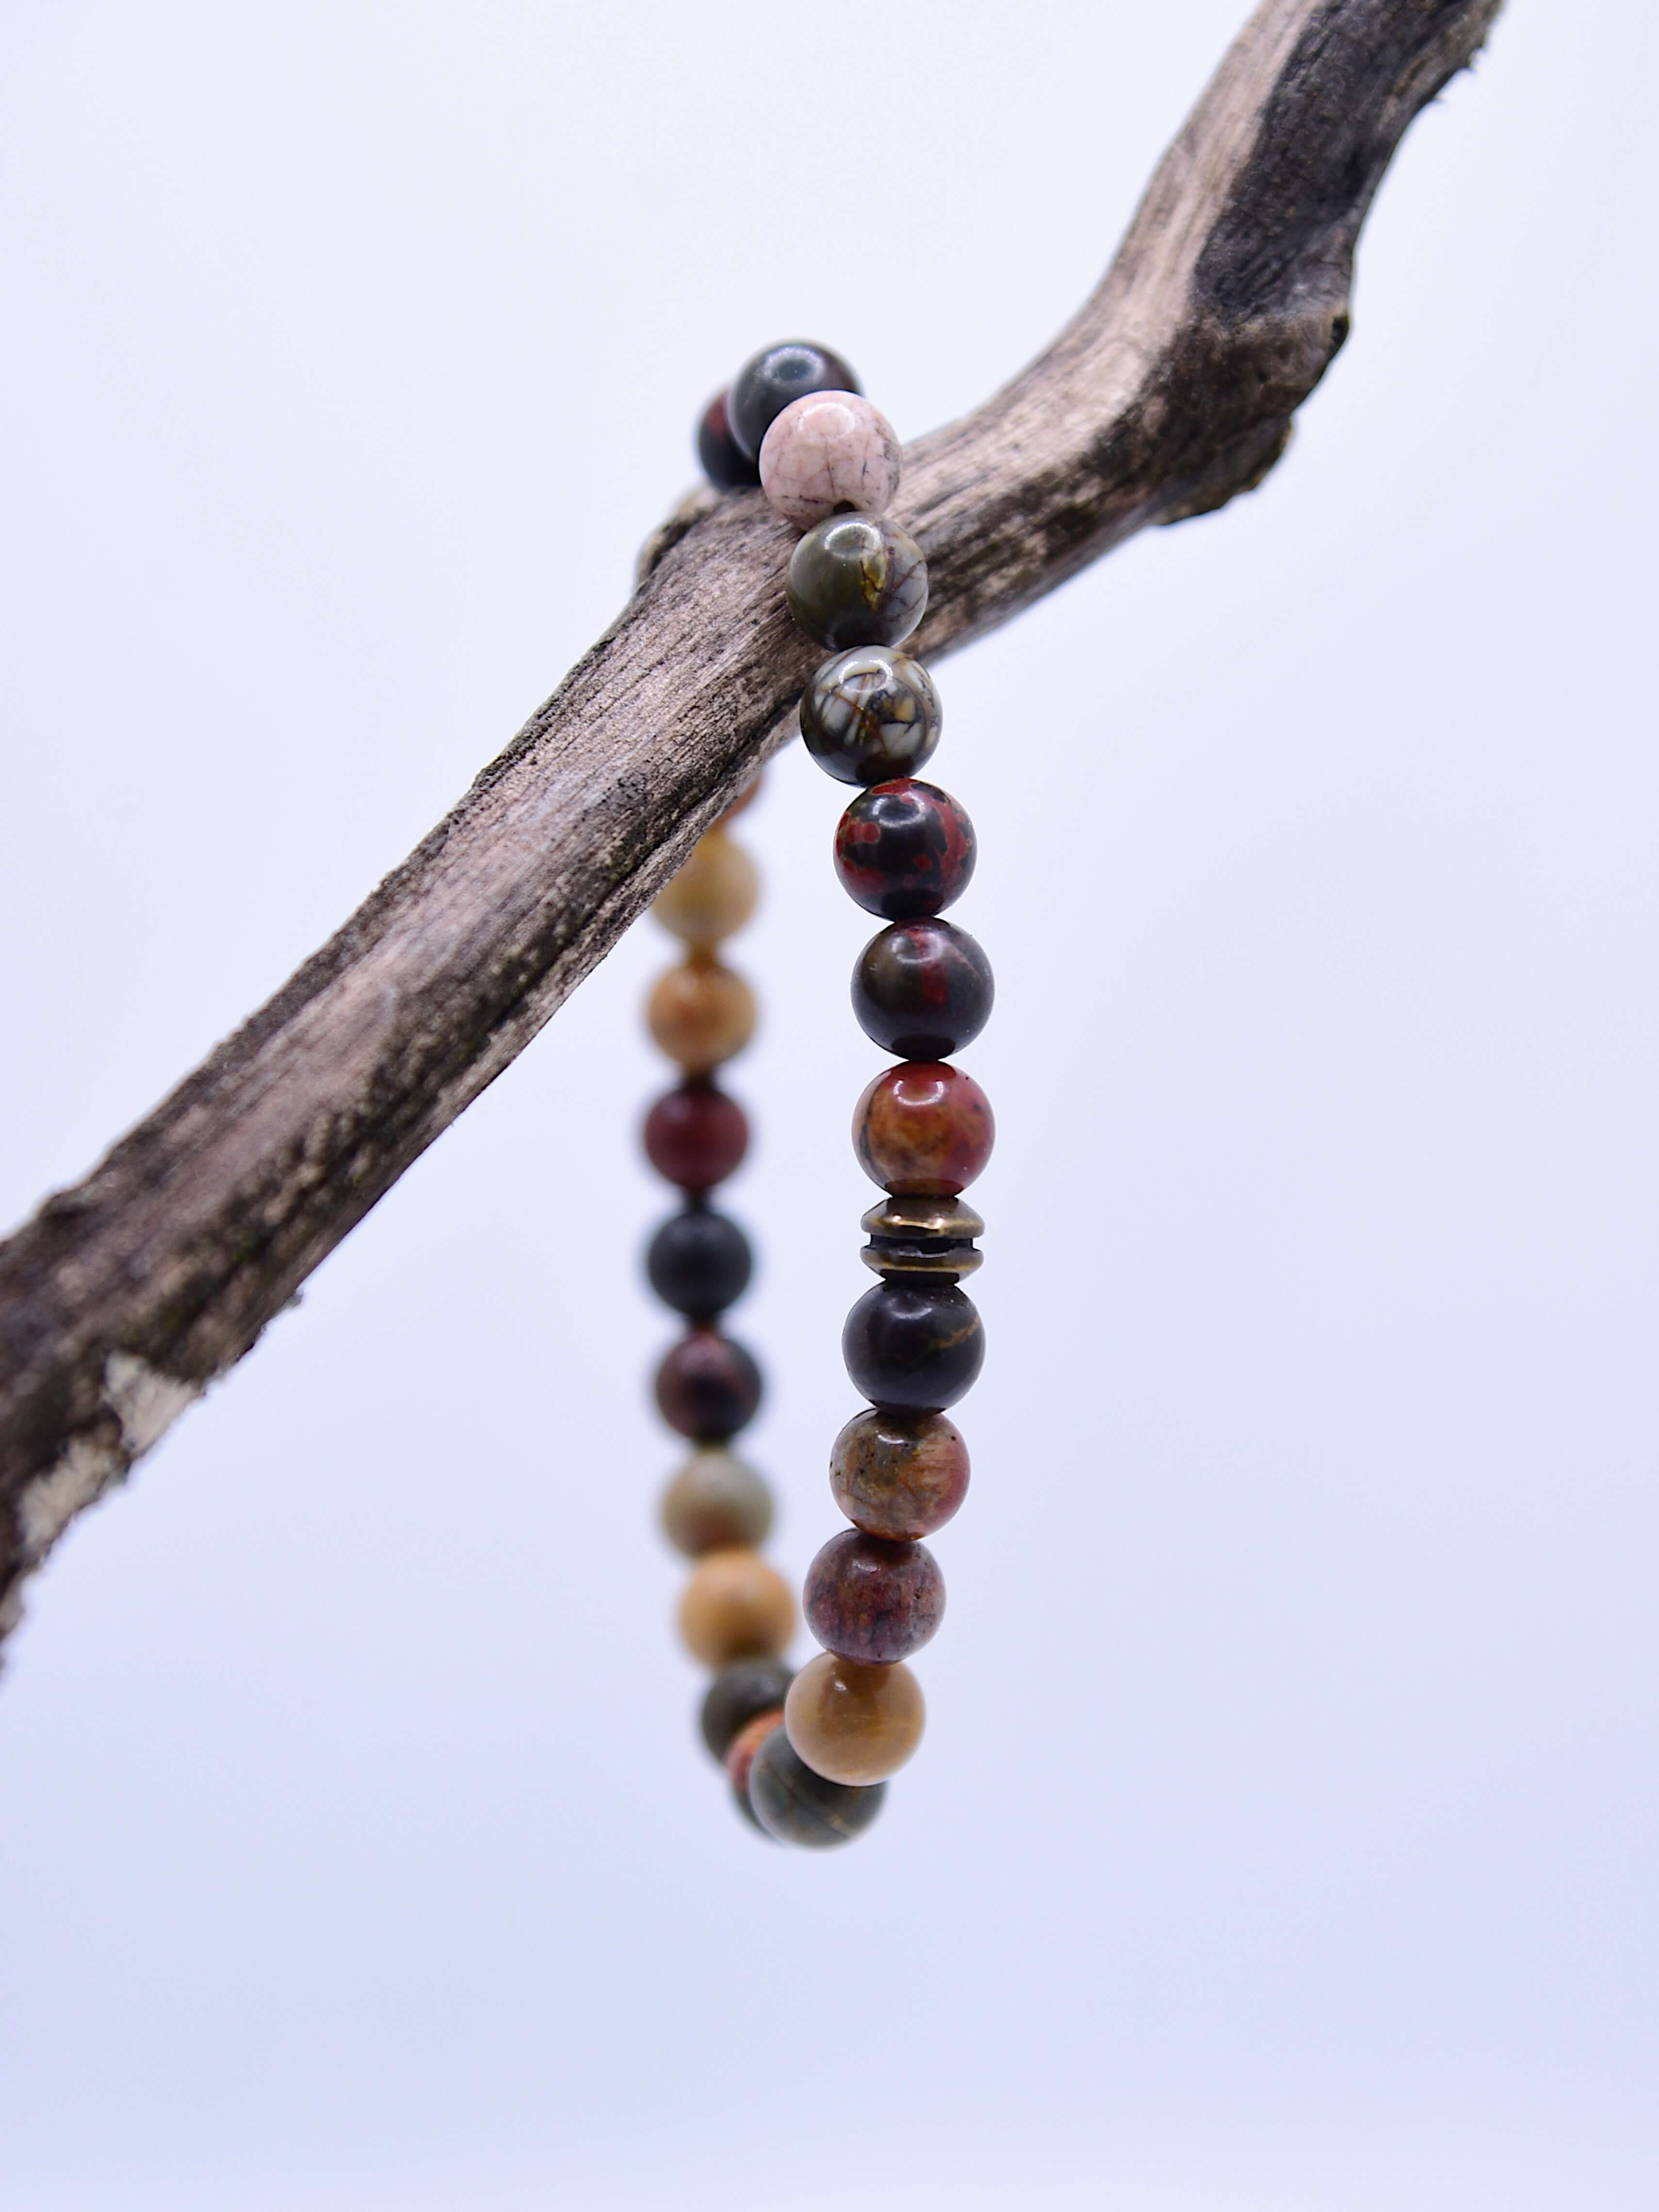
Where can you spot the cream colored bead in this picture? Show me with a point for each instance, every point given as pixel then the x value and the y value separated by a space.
pixel 716 1500
pixel 701 1014
pixel 736 1606
pixel 712 896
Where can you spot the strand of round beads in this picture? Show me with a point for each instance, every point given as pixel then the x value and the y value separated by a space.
pixel 829 463
pixel 737 1615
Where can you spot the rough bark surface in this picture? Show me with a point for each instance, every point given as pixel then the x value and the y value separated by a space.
pixel 1172 390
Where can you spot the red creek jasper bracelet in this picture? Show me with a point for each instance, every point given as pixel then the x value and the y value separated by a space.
pixel 809 1755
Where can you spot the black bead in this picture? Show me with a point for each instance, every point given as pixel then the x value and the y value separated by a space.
pixel 699 1262
pixel 922 989
pixel 795 1805
pixel 905 849
pixel 915 1344
pixel 739 1694
pixel 764 386
pixel 718 456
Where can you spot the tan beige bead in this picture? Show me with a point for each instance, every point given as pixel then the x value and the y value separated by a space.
pixel 853 1723
pixel 712 896
pixel 701 1014
pixel 736 1606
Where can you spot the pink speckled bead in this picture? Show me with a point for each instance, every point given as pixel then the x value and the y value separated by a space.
pixel 830 454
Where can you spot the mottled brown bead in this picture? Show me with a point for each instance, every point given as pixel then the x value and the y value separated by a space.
pixel 736 1606
pixel 851 1723
pixel 795 1805
pixel 873 1601
pixel 740 1752
pixel 715 1500
pixel 696 1136
pixel 923 1129
pixel 707 1387
pixel 899 1475
pixel 712 896
pixel 701 1014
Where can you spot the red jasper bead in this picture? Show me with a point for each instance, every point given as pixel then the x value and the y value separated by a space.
pixel 904 849
pixel 873 1601
pixel 923 1130
pixel 696 1136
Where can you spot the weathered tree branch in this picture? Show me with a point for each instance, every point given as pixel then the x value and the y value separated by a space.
pixel 1172 390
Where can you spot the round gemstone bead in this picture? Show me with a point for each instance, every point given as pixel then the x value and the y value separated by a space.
pixel 712 896
pixel 904 849
pixel 899 1475
pixel 736 1694
pixel 923 1129
pixel 795 1805
pixel 708 1387
pixel 724 466
pixel 716 1499
pixel 696 1137
pixel 740 1752
pixel 869 715
pixel 772 380
pixel 699 1263
pixel 922 989
pixel 873 1601
pixel 857 580
pixel 851 1723
pixel 914 1344
pixel 701 1014
pixel 735 1607
pixel 830 454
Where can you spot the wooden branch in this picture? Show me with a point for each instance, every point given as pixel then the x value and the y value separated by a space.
pixel 1172 390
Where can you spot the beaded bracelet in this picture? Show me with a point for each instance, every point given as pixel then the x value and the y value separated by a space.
pixel 809 1756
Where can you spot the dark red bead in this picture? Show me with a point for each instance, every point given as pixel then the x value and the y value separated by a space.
pixel 904 849
pixel 726 467
pixel 923 1129
pixel 707 1387
pixel 696 1136
pixel 870 1599
pixel 922 989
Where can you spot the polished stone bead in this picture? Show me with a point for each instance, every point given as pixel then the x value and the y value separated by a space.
pixel 830 454
pixel 923 1129
pixel 716 1499
pixel 712 896
pixel 736 1606
pixel 696 1136
pixel 701 1014
pixel 911 1235
pixel 736 1694
pixel 899 1475
pixel 740 1752
pixel 699 1263
pixel 869 715
pixel 718 456
pixel 708 1387
pixel 773 379
pixel 872 1600
pixel 904 849
pixel 914 1344
pixel 922 989
pixel 795 1805
pixel 852 1722
pixel 857 580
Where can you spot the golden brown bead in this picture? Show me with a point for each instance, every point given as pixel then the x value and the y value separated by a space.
pixel 715 1501
pixel 712 896
pixel 852 1722
pixel 701 1014
pixel 736 1606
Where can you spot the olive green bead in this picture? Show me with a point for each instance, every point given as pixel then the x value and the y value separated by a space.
pixel 795 1805
pixel 716 1499
pixel 857 580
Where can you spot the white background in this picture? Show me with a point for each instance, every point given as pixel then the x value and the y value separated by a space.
pixel 1286 1835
